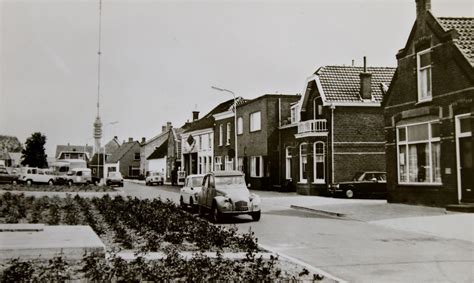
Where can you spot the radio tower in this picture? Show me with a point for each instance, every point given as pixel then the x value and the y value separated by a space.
pixel 98 122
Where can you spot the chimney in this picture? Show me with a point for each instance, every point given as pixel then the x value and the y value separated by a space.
pixel 422 6
pixel 163 128
pixel 168 126
pixel 130 139
pixel 365 82
pixel 143 139
pixel 195 115
pixel 115 138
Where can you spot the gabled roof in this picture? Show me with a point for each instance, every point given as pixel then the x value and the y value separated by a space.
pixel 74 148
pixel 159 152
pixel 208 121
pixel 161 137
pixel 121 151
pixel 10 144
pixel 341 84
pixel 465 28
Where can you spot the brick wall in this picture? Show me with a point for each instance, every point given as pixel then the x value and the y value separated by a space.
pixel 128 160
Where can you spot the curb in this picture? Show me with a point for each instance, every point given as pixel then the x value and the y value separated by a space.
pixel 310 268
pixel 326 213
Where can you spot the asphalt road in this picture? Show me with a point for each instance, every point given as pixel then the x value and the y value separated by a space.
pixel 353 250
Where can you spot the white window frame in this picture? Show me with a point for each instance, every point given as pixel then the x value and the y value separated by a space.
pixel 302 180
pixel 255 125
pixel 316 180
pixel 221 133
pixel 407 143
pixel 228 135
pixel 294 114
pixel 419 70
pixel 240 125
pixel 288 163
pixel 253 167
pixel 229 163
pixel 217 163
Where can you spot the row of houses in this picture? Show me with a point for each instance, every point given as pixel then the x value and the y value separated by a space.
pixel 413 121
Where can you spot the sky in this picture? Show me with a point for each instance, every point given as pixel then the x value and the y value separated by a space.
pixel 160 58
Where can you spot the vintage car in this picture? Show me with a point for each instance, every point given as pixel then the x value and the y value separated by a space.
pixel 363 184
pixel 6 177
pixel 81 176
pixel 114 179
pixel 154 177
pixel 31 175
pixel 225 193
pixel 190 191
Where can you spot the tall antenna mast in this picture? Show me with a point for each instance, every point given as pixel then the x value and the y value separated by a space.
pixel 98 122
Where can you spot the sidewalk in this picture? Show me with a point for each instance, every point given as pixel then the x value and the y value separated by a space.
pixel 433 221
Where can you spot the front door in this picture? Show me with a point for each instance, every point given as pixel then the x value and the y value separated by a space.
pixel 465 160
pixel 465 157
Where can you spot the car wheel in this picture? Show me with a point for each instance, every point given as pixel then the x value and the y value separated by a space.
pixel 349 193
pixel 29 182
pixel 69 183
pixel 216 215
pixel 50 182
pixel 256 216
pixel 108 183
pixel 14 182
pixel 147 184
pixel 181 203
pixel 191 204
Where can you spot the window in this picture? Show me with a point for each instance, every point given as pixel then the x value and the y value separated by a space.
pixel 240 125
pixel 67 156
pixel 200 165
pixel 217 163
pixel 294 114
pixel 221 133
pixel 228 134
pixel 303 162
pixel 229 163
pixel 255 123
pixel 256 166
pixel 424 75
pixel 419 153
pixel 209 141
pixel 319 158
pixel 137 155
pixel 288 163
pixel 240 160
pixel 200 142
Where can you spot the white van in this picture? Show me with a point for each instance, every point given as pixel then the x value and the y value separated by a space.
pixel 79 176
pixel 31 175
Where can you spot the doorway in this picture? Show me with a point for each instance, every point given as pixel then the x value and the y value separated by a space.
pixel 464 158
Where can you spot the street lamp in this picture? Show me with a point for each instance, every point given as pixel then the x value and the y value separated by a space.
pixel 235 123
pixel 103 155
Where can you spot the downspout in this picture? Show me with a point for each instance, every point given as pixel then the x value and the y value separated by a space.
pixel 332 142
pixel 279 143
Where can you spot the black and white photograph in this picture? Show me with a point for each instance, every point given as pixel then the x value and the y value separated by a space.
pixel 236 141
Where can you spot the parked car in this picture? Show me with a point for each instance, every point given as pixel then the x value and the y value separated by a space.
pixel 6 177
pixel 225 193
pixel 190 191
pixel 31 176
pixel 81 176
pixel 363 184
pixel 114 179
pixel 154 177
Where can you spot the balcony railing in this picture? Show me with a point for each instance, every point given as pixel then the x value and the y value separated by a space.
pixel 312 127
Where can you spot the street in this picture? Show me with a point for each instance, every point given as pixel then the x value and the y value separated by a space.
pixel 356 250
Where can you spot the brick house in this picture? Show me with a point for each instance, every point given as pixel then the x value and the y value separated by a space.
pixel 429 113
pixel 258 138
pixel 197 141
pixel 336 128
pixel 147 147
pixel 74 152
pixel 10 151
pixel 127 158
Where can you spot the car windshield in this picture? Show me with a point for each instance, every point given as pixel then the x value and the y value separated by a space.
pixel 358 176
pixel 196 182
pixel 230 180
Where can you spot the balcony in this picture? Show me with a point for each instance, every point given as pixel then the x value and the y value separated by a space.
pixel 312 128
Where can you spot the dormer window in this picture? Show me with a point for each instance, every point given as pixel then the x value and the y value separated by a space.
pixel 424 75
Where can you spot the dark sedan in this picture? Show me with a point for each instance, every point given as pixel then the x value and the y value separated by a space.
pixel 363 184
pixel 7 178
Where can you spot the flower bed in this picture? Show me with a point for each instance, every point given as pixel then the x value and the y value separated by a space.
pixel 141 226
pixel 56 188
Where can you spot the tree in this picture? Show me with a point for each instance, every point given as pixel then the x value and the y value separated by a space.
pixel 33 155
